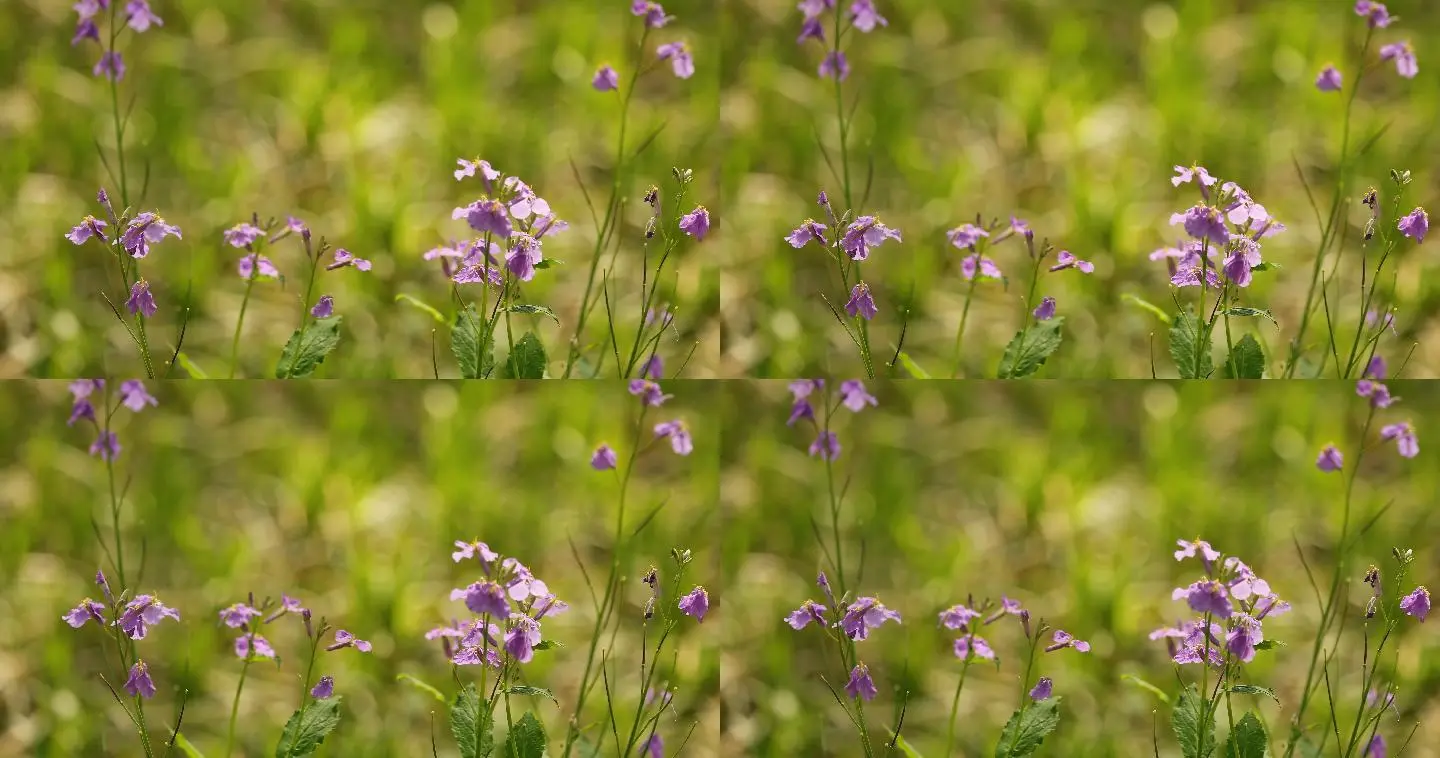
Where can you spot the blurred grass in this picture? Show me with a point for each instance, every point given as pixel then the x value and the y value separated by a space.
pixel 348 496
pixel 1068 496
pixel 349 115
pixel 1069 114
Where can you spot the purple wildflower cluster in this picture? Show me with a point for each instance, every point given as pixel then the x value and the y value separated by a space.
pixel 131 618
pixel 83 392
pixel 1232 602
pixel 136 16
pixel 1225 230
pixel 508 603
pixel 129 246
pixel 653 16
pixel 249 617
pixel 1376 16
pixel 511 221
pixel 806 392
pixel 1378 396
pixel 850 240
pixel 853 619
pixel 861 16
pixel 674 430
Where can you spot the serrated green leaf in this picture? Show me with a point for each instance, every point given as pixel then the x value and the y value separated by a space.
pixel 470 723
pixel 1248 312
pixel 1027 728
pixel 1185 336
pixel 1029 348
pixel 528 691
pixel 422 686
pixel 308 727
pixel 526 739
pixel 191 367
pixel 1148 687
pixel 1268 644
pixel 1247 360
pixel 903 746
pixel 535 310
pixel 1194 727
pixel 422 305
pixel 1253 689
pixel 549 263
pixel 528 359
pixel 547 644
pixel 466 338
pixel 912 368
pixel 307 348
pixel 185 746
pixel 1147 305
pixel 1247 739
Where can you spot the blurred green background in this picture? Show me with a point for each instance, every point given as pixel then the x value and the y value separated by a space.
pixel 1068 497
pixel 348 496
pixel 1069 114
pixel 349 114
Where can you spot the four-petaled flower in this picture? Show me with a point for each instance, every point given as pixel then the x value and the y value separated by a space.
pixel 346 639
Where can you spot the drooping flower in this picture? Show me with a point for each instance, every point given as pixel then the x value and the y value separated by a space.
pixel 1244 633
pixel 1064 639
pixel 88 610
pixel 603 459
pixel 1203 222
pixel 958 617
pixel 826 445
pixel 834 66
pixel 860 684
pixel 861 302
pixel 323 688
pixel 1185 175
pixel 107 446
pixel 87 228
pixel 237 615
pixel 1405 440
pixel 484 598
pixel 864 614
pixel 680 441
pixel 145 230
pixel 261 645
pixel 523 257
pixel 854 396
pixel 141 301
pixel 522 638
pixel 287 605
pixel 1417 603
pixel 1404 57
pixel 1415 225
pixel 1042 689
pixel 111 66
pixel 679 56
pixel 345 258
pixel 248 268
pixel 972 645
pixel 1067 259
pixel 143 612
pixel 975 263
pixel 649 392
pixel 1378 393
pixel 1045 310
pixel 1328 80
pixel 809 611
pixel 139 683
pixel 134 396
pixel 653 368
pixel 695 604
pixel 139 16
pixel 1330 459
pixel 1376 748
pixel 346 639
pixel 864 16
pixel 1375 14
pixel 324 307
pixel 696 223
pixel 652 12
pixel 606 79
pixel 865 233
pixel 1244 256
pixel 1376 368
pixel 805 232
pixel 243 235
pixel 966 236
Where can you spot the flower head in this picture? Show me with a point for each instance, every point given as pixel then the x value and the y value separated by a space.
pixel 696 223
pixel 1185 175
pixel 1064 639
pixel 971 645
pixel 679 435
pixel 522 638
pixel 865 233
pixel 1417 603
pixel 1404 57
pixel 345 258
pixel 603 459
pixel 323 688
pixel 1045 310
pixel 1206 596
pixel 324 307
pixel 261 647
pixel 1328 80
pixel 864 16
pixel 826 445
pixel 1375 14
pixel 1330 459
pixel 809 611
pixel 834 66
pixel 134 396
pixel 1405 440
pixel 854 396
pixel 1042 689
pixel 87 228
pixel 652 12
pixel 1203 222
pixel 346 639
pixel 139 17
pixel 649 392
pixel 864 614
pixel 238 615
pixel 145 230
pixel 1067 259
pixel 695 604
pixel 143 612
pixel 966 236
pixel 484 598
pixel 111 66
pixel 976 263
pixel 255 265
pixel 679 56
pixel 860 684
pixel 606 79
pixel 805 232
pixel 88 610
pixel 140 300
pixel 107 446
pixel 139 683
pixel 243 235
pixel 1415 225
pixel 1190 549
pixel 958 617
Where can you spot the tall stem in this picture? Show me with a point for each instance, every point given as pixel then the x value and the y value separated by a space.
pixel 955 707
pixel 235 342
pixel 960 333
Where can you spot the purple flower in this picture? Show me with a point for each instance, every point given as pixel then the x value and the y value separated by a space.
pixel 145 230
pixel 696 223
pixel 834 66
pixel 111 66
pixel 89 610
pixel 85 29
pixel 864 16
pixel 346 639
pixel 243 235
pixel 1189 549
pixel 826 445
pixel 854 396
pixel 324 307
pixel 484 598
pixel 1042 690
pixel 1330 459
pixel 695 604
pixel 604 458
pixel 1378 393
pixel 1374 13
pixel 860 684
pixel 966 236
pixel 653 747
pixel 139 683
pixel 975 262
pixel 134 396
pixel 1189 276
pixel 971 645
pixel 810 28
pixel 804 233
pixel 87 228
pixel 653 368
pixel 1185 175
pixel 139 16
pixel 107 446
pixel 679 56
pixel 1067 259
pixel 680 441
pixel 1375 748
pixel 143 612
pixel 649 392
pixel 800 617
pixel 1328 80
pixel 1415 225
pixel 864 614
pixel 606 79
pixel 1416 603
pixel 1064 639
pixel 523 257
pixel 287 605
pixel 1404 436
pixel 958 617
pixel 1244 256
pixel 654 14
pixel 467 168
pixel 141 301
pixel 261 646
pixel 1206 596
pixel 1404 57
pixel 323 688
pixel 1203 222
pixel 522 638
pixel 1045 310
pixel 1376 368
pixel 238 615
pixel 486 215
pixel 861 303
pixel 248 268
pixel 1243 635
pixel 344 258
pixel 864 233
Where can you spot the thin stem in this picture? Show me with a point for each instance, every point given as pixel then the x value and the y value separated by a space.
pixel 955 707
pixel 235 341
pixel 235 704
pixel 960 333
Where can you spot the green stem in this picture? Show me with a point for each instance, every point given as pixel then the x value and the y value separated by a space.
pixel 960 333
pixel 235 341
pixel 955 707
pixel 235 704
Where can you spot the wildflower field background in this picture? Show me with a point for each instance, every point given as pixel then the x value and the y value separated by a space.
pixel 1068 497
pixel 349 497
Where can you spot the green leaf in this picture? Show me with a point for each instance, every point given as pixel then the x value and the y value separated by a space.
pixel 1247 360
pixel 470 723
pixel 308 727
pixel 1247 739
pixel 1254 689
pixel 903 746
pixel 193 369
pixel 1196 734
pixel 308 347
pixel 1027 728
pixel 549 263
pixel 1185 334
pixel 1266 266
pixel 527 360
pixel 548 644
pixel 190 751
pixel 466 336
pixel 526 739
pixel 535 310
pixel 1247 312
pixel 912 368
pixel 1268 644
pixel 528 691
pixel 1147 305
pixel 418 303
pixel 422 686
pixel 1148 687
pixel 1028 350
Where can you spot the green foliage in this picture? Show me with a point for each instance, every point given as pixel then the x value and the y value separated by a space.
pixel 526 738
pixel 306 349
pixel 1030 347
pixel 535 310
pixel 528 359
pixel 1027 728
pixel 528 691
pixel 1247 739
pixel 308 727
pixel 470 723
pixel 1192 358
pixel 1194 724
pixel 472 351
pixel 422 686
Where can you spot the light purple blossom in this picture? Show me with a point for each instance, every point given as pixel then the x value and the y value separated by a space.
pixel 107 446
pixel 522 638
pixel 1330 459
pixel 486 216
pixel 809 611
pixel 1417 603
pixel 977 263
pixel 1203 222
pixel 826 445
pixel 111 66
pixel 679 56
pixel 652 12
pixel 143 612
pixel 1190 549
pixel 1064 639
pixel 958 617
pixel 680 441
pixel 860 684
pixel 140 300
pixel 653 368
pixel 346 639
pixel 1405 440
pixel 287 605
pixel 324 688
pixel 1244 633
pixel 603 459
pixel 261 646
pixel 864 16
pixel 695 604
pixel 324 307
pixel 1185 175
pixel 966 236
pixel 854 396
pixel 139 16
pixel 696 223
pixel 243 235
pixel 1328 80
pixel 523 257
pixel 971 645
pixel 606 79
pixel 1375 14
pixel 247 267
pixel 134 396
pixel 1067 259
pixel 1376 748
pixel 1045 310
pixel 484 598
pixel 145 230
pixel 1244 256
pixel 1404 57
pixel 805 232
pixel 861 302
pixel 87 228
pixel 139 683
pixel 649 392
pixel 1206 596
pixel 344 258
pixel 1415 225
pixel 865 233
pixel 834 66
pixel 237 615
pixel 864 614
pixel 88 610
pixel 488 173
pixel 1042 689
pixel 1376 368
